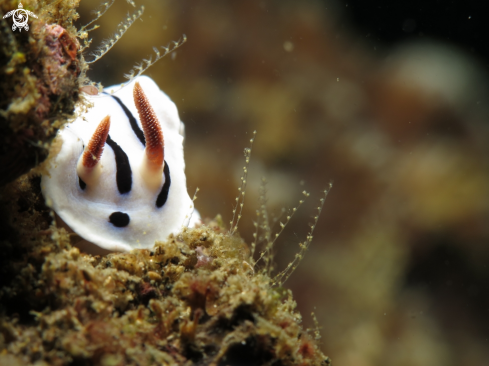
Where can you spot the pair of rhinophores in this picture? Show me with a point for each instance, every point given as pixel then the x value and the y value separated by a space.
pixel 118 179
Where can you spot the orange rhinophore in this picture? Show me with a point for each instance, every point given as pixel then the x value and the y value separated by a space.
pixel 93 151
pixel 88 167
pixel 151 128
pixel 154 159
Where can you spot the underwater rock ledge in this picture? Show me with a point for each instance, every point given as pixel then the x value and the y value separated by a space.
pixel 193 299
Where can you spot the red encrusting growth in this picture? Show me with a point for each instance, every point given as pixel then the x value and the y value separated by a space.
pixel 95 147
pixel 151 128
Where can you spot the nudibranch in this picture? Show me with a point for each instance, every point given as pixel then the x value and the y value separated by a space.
pixel 118 180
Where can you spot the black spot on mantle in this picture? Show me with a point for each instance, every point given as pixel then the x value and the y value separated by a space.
pixel 119 219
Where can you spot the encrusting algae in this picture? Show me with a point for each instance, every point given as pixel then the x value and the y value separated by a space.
pixel 40 77
pixel 195 298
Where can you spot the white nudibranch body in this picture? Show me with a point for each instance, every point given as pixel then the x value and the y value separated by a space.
pixel 118 180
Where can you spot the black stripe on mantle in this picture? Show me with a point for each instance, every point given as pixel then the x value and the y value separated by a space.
pixel 132 121
pixel 163 195
pixel 124 173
